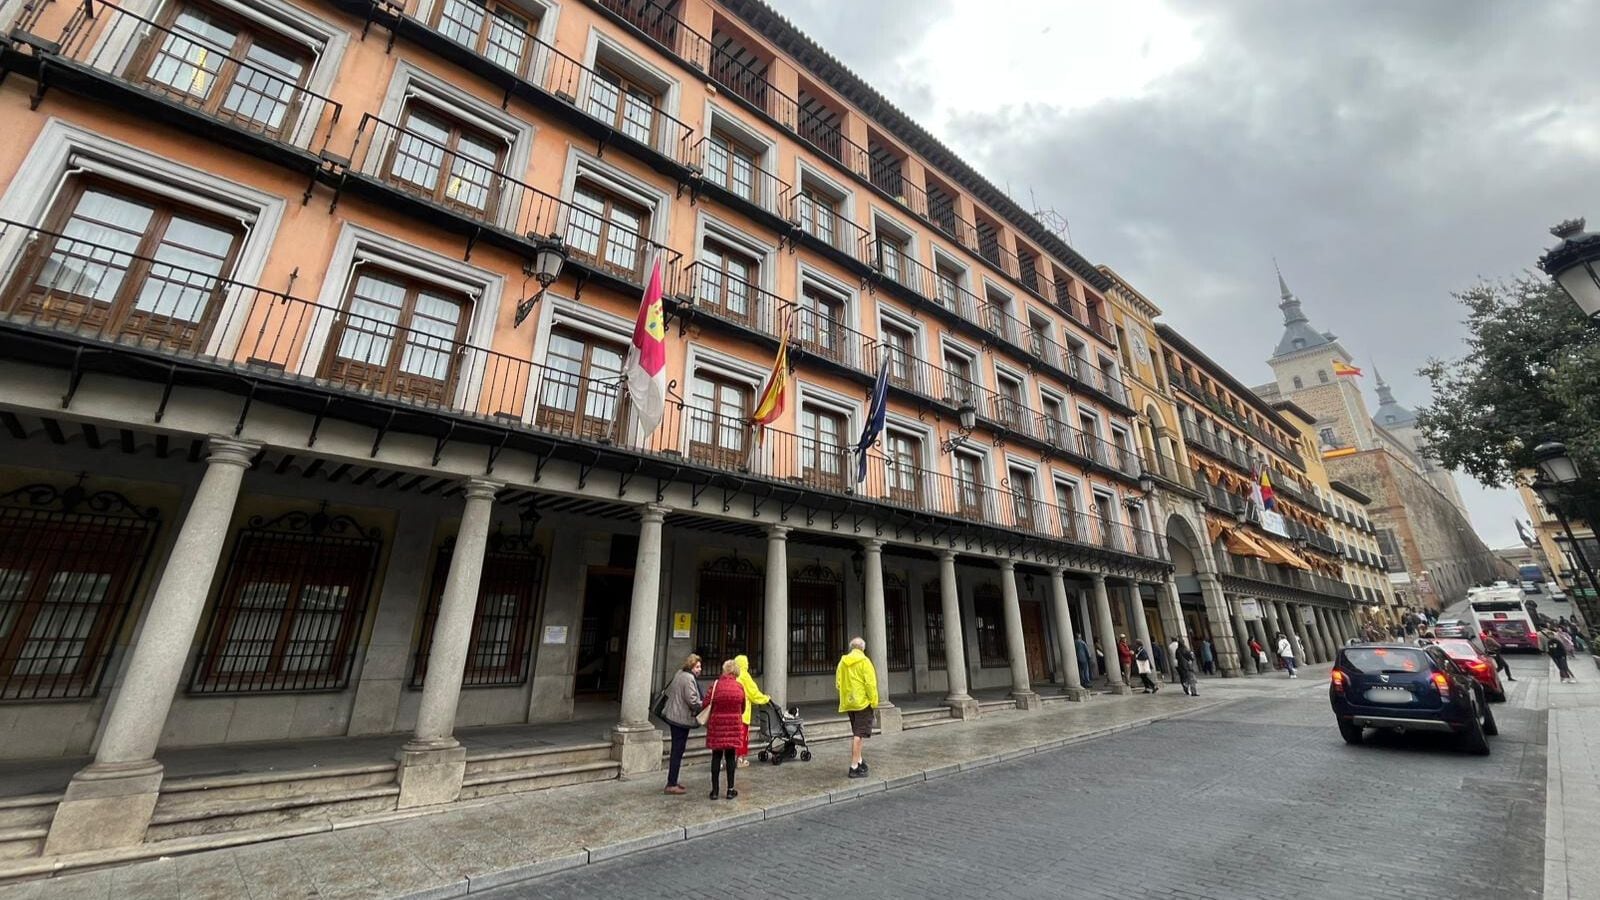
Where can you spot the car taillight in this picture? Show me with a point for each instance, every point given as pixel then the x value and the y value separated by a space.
pixel 1477 665
pixel 1442 683
pixel 1339 679
pixel 1533 635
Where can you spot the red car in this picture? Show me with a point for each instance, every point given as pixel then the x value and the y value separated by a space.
pixel 1469 655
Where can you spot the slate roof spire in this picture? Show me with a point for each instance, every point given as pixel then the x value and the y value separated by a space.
pixel 1297 331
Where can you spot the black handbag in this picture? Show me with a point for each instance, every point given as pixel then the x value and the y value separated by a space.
pixel 659 707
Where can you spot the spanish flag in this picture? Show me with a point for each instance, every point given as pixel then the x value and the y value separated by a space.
pixel 1340 367
pixel 776 390
pixel 1268 498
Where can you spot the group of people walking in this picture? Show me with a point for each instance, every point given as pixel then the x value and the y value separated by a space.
pixel 725 710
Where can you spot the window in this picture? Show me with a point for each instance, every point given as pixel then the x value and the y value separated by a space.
pixel 398 337
pixel 1105 507
pixel 65 582
pixel 1122 347
pixel 1298 383
pixel 899 344
pixel 127 267
pixel 445 161
pixel 986 613
pixel 727 279
pixel 580 385
pixel 892 257
pixel 493 30
pixel 819 215
pixel 606 230
pixel 933 623
pixel 816 628
pixel 732 165
pixel 942 208
pixel 1028 268
pixel 823 455
pixel 988 240
pixel 730 613
pixel 897 622
pixel 903 464
pixel 1039 341
pixel 1072 524
pixel 226 68
pixel 625 105
pixel 948 285
pixel 819 322
pixel 1120 440
pixel 719 417
pixel 508 593
pixel 1327 437
pixel 1322 376
pixel 1013 410
pixel 290 607
pixel 997 317
pixel 969 486
pixel 1022 498
pixel 1093 446
pixel 959 386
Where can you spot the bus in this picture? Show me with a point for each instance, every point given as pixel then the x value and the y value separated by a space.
pixel 1532 578
pixel 1503 612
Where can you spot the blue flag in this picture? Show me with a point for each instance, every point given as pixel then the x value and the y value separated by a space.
pixel 877 411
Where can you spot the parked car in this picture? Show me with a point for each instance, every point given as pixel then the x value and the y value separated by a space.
pixel 1468 654
pixel 1403 688
pixel 1452 628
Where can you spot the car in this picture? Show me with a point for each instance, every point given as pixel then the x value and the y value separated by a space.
pixel 1452 628
pixel 1468 653
pixel 1401 687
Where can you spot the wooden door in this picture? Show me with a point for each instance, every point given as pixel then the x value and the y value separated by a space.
pixel 1033 640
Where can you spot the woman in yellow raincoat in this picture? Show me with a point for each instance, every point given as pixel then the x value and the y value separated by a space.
pixel 752 698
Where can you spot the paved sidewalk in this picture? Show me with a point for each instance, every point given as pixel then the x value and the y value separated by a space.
pixel 474 846
pixel 1572 810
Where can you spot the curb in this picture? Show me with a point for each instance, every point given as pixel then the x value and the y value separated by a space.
pixel 473 884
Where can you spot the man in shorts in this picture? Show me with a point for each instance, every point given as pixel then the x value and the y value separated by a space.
pixel 857 682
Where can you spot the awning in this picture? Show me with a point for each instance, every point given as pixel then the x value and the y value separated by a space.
pixel 1278 553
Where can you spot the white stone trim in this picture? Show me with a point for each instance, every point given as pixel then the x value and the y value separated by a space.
pixel 582 164
pixel 765 254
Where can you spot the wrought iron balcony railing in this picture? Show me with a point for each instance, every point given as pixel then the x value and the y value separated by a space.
pixel 723 168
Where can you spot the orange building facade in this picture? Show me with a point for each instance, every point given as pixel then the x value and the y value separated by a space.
pixel 298 447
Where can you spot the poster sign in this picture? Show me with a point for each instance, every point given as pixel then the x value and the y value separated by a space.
pixel 1274 523
pixel 555 634
pixel 1309 615
pixel 1250 610
pixel 682 623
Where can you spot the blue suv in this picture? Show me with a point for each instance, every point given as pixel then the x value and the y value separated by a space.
pixel 1407 688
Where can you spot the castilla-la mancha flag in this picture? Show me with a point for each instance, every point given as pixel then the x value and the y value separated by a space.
pixel 646 368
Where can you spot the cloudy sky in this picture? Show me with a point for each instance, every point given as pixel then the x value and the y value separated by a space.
pixel 1385 153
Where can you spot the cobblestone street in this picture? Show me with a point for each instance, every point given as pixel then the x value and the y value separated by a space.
pixel 1166 810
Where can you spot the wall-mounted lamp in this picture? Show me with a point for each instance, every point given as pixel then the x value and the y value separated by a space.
pixel 967 418
pixel 549 255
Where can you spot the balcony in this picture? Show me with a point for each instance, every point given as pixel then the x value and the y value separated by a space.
pixel 155 72
pixel 480 201
pixel 661 24
pixel 741 179
pixel 833 229
pixel 1167 469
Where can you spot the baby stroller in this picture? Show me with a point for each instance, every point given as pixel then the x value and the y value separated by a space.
pixel 785 734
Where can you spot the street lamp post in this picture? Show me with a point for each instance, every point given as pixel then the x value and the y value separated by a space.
pixel 1575 265
pixel 1558 471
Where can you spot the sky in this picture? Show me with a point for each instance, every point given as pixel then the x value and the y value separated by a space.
pixel 1385 154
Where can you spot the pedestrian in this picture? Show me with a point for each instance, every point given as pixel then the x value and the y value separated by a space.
pixel 857 683
pixel 1159 656
pixel 1100 662
pixel 1286 653
pixel 1565 640
pixel 1492 647
pixel 683 702
pixel 1172 656
pixel 1256 653
pixel 1558 655
pixel 1085 674
pixel 1143 664
pixel 724 728
pixel 1208 657
pixel 1186 665
pixel 1125 658
pixel 752 699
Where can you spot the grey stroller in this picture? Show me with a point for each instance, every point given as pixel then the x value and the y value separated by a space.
pixel 784 733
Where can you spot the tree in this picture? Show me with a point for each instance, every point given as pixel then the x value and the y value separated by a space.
pixel 1532 374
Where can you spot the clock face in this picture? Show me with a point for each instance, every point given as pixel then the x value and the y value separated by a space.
pixel 1140 349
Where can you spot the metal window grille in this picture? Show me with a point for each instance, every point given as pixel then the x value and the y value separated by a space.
pixel 291 606
pixel 731 590
pixel 816 596
pixel 933 624
pixel 69 563
pixel 897 616
pixel 500 651
pixel 986 609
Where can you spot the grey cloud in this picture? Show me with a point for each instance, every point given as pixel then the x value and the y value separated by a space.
pixel 1386 153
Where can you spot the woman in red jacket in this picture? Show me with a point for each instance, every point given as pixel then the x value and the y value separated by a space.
pixel 725 727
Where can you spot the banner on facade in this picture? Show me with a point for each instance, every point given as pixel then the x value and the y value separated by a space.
pixel 1250 610
pixel 1274 523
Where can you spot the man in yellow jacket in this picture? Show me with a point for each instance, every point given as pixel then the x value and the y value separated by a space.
pixel 857 682
pixel 752 698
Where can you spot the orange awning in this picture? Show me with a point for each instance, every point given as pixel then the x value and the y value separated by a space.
pixel 1278 553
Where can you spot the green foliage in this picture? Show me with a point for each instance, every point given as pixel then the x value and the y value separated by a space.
pixel 1532 374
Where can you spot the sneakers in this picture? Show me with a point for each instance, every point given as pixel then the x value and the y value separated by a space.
pixel 857 771
pixel 675 789
pixel 713 793
pixel 731 794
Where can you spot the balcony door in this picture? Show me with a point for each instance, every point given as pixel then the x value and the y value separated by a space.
pixel 128 267
pixel 398 337
pixel 447 162
pixel 719 423
pixel 607 231
pixel 727 282
pixel 580 390
pixel 903 468
pixel 819 323
pixel 823 457
pixel 969 487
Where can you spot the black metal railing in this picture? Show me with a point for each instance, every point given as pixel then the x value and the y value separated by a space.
pixel 828 224
pixel 1170 470
pixel 661 24
pixel 723 167
pixel 185 69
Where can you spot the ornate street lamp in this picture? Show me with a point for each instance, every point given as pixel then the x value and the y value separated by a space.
pixel 967 418
pixel 1549 493
pixel 549 255
pixel 1147 484
pixel 1575 265
pixel 1555 463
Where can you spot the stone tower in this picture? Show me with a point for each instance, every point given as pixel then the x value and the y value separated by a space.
pixel 1302 363
pixel 1402 423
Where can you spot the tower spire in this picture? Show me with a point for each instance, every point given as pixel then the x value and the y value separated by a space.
pixel 1297 331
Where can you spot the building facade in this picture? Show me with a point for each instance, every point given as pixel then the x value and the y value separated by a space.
pixel 298 445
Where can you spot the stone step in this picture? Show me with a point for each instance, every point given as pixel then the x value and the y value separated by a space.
pixel 911 724
pixel 221 816
pixel 182 797
pixel 28 811
pixel 515 782
pixel 23 842
pixel 935 713
pixel 536 758
pixel 985 707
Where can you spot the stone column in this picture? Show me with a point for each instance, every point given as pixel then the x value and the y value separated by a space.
pixel 433 762
pixel 635 742
pixel 1221 627
pixel 1330 632
pixel 109 802
pixel 775 613
pixel 877 628
pixel 1016 646
pixel 1065 636
pixel 1313 632
pixel 1141 626
pixel 1241 637
pixel 1286 616
pixel 1087 621
pixel 1172 610
pixel 1108 637
pixel 960 702
pixel 1258 628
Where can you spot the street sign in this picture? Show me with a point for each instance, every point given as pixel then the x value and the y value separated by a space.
pixel 1250 610
pixel 681 625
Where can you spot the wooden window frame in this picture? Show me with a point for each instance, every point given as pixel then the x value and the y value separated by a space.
pixel 610 201
pixel 820 327
pixel 724 251
pixel 480 45
pixel 814 472
pixel 735 149
pixel 713 452
pixel 458 130
pixel 577 421
pixel 391 380
pixel 625 86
